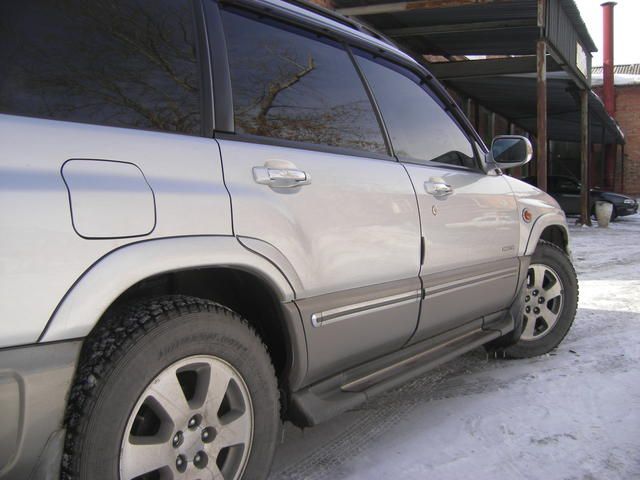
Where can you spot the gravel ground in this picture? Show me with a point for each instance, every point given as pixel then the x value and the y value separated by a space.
pixel 572 414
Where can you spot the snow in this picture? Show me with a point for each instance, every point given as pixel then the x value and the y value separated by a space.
pixel 619 79
pixel 572 414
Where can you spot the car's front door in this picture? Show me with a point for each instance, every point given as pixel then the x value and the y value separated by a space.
pixel 314 189
pixel 469 218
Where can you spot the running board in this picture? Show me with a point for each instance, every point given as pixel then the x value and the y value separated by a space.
pixel 423 360
pixel 328 398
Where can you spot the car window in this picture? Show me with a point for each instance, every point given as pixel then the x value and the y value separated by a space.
pixel 420 128
pixel 290 86
pixel 116 62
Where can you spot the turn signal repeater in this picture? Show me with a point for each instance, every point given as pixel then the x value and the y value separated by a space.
pixel 527 216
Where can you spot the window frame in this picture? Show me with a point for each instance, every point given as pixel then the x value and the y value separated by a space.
pixel 284 24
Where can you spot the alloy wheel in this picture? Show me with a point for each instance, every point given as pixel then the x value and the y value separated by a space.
pixel 193 421
pixel 544 299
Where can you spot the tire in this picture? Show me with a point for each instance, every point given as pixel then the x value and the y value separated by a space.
pixel 549 307
pixel 153 374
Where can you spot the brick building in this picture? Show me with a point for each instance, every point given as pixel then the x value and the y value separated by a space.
pixel 627 98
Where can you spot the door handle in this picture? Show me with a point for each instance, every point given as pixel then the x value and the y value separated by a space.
pixel 281 177
pixel 438 189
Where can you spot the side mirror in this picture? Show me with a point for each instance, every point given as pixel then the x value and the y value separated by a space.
pixel 508 151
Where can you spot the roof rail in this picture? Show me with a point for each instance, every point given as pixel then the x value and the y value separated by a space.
pixel 325 12
pixel 347 21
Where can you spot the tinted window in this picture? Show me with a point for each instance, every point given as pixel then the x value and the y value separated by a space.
pixel 291 86
pixel 420 129
pixel 112 62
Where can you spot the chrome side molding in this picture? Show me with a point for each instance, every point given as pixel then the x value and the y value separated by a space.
pixel 343 313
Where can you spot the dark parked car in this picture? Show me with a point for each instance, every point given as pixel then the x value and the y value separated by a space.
pixel 566 191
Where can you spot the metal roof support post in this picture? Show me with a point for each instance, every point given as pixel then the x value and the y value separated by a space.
pixel 476 116
pixel 541 69
pixel 608 89
pixel 585 213
pixel 593 178
pixel 541 136
pixel 614 182
pixel 492 125
pixel 622 168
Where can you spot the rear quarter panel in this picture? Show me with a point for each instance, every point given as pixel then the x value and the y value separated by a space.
pixel 41 255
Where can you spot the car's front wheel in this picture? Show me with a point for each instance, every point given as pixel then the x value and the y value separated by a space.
pixel 176 387
pixel 551 300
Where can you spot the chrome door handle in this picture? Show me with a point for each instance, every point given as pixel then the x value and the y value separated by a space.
pixel 438 189
pixel 281 177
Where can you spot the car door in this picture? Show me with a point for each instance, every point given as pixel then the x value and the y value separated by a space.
pixel 469 218
pixel 314 189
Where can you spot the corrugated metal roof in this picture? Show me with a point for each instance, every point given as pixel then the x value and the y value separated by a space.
pixel 514 97
pixel 574 14
pixel 433 13
pixel 629 69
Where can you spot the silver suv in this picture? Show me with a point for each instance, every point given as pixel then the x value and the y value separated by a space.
pixel 217 216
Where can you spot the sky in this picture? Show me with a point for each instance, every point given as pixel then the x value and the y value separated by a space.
pixel 626 15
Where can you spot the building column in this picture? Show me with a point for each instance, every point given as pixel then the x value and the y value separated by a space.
pixel 585 213
pixel 541 137
pixel 608 90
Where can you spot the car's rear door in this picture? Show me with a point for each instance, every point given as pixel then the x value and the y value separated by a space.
pixel 469 218
pixel 314 189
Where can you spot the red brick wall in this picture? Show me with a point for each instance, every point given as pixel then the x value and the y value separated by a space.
pixel 628 116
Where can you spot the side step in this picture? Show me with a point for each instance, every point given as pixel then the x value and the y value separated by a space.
pixel 330 397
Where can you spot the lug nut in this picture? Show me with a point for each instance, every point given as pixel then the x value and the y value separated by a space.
pixel 528 309
pixel 527 298
pixel 208 434
pixel 541 300
pixel 200 460
pixel 536 310
pixel 194 422
pixel 535 293
pixel 181 463
pixel 177 439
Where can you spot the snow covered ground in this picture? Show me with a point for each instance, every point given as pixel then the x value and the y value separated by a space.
pixel 572 414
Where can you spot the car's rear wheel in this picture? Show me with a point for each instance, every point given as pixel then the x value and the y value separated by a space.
pixel 551 300
pixel 177 387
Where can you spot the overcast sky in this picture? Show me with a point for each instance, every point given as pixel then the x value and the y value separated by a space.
pixel 626 17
